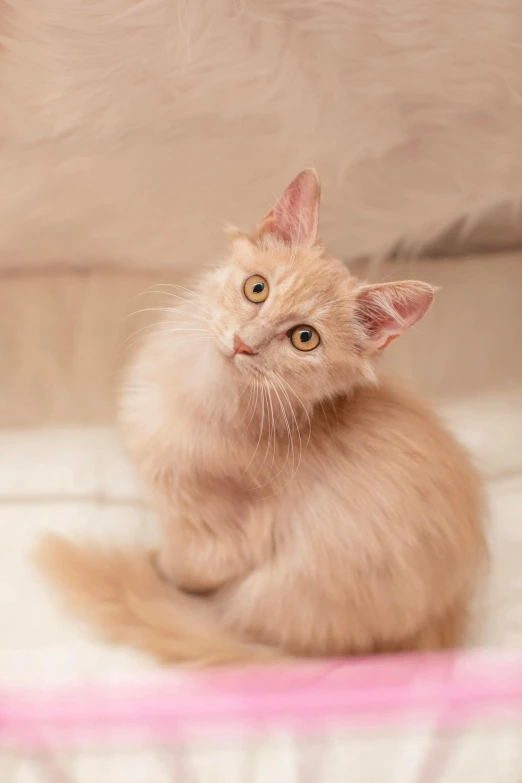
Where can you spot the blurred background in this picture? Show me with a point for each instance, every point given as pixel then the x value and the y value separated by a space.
pixel 131 130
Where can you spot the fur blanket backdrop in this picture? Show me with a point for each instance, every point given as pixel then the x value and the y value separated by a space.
pixel 131 128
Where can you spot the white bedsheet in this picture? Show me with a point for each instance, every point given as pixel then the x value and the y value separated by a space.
pixel 80 482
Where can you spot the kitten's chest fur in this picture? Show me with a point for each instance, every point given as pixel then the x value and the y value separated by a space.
pixel 220 512
pixel 373 480
pixel 221 488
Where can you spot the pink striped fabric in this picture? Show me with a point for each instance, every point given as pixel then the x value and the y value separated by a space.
pixel 306 698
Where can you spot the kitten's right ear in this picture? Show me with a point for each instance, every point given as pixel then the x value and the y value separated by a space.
pixel 295 218
pixel 387 310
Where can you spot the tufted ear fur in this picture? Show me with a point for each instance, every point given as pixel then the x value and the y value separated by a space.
pixel 295 218
pixel 387 310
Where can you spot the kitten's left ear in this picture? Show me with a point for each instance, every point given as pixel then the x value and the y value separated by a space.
pixel 387 310
pixel 295 218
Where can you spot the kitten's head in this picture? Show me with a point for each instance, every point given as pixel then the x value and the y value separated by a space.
pixel 282 308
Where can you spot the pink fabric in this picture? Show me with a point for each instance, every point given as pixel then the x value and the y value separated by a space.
pixel 379 693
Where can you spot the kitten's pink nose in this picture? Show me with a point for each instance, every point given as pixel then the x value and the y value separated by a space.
pixel 240 346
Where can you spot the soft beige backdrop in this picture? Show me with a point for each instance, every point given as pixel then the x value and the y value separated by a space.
pixel 130 130
pixel 66 339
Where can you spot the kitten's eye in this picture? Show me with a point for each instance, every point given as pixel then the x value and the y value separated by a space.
pixel 256 289
pixel 304 338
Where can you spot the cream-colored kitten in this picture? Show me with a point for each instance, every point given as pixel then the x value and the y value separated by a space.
pixel 307 508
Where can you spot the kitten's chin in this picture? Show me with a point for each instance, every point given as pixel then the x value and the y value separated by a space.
pixel 244 369
pixel 249 373
pixel 245 372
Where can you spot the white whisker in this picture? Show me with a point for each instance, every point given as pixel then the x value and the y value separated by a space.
pixel 290 442
pixel 171 310
pixel 156 290
pixel 170 332
pixel 274 433
pixel 271 435
pixel 247 407
pixel 260 430
pixel 138 331
pixel 303 407
pixel 278 381
pixel 159 323
pixel 253 413
pixel 327 420
pixel 187 290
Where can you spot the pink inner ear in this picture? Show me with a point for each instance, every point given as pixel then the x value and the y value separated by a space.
pixel 294 219
pixel 387 310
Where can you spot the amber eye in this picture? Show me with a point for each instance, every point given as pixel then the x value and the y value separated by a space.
pixel 304 338
pixel 256 289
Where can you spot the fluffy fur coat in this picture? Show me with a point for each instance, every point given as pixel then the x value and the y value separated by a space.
pixel 127 124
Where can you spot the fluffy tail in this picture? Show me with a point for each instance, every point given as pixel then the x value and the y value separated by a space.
pixel 124 597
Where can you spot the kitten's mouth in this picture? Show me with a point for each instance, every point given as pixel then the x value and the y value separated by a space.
pixel 244 360
pixel 250 369
pixel 244 363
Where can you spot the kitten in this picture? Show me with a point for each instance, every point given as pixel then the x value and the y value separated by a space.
pixel 307 507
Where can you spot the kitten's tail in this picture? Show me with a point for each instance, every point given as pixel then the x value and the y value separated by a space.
pixel 124 597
